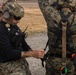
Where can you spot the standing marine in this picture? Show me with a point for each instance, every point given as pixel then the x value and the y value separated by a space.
pixel 60 17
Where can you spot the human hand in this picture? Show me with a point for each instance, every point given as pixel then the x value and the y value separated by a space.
pixel 38 53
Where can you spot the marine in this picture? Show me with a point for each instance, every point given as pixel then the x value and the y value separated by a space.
pixel 55 13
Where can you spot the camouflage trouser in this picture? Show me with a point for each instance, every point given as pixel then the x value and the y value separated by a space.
pixel 19 67
pixel 53 66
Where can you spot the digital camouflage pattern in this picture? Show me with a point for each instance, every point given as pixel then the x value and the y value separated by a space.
pixel 52 11
pixel 13 8
pixel 54 64
pixel 19 67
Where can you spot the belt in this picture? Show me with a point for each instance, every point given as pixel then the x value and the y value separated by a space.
pixel 60 55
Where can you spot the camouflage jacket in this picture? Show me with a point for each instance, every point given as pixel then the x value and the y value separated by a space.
pixel 53 18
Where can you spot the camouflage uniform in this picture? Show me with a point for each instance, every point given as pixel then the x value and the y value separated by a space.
pixel 19 67
pixel 52 17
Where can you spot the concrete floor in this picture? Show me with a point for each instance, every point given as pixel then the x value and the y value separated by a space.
pixel 36 41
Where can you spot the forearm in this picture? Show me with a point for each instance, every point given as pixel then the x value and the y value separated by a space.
pixel 27 54
pixel 31 53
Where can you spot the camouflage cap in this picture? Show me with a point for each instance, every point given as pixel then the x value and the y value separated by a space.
pixel 13 8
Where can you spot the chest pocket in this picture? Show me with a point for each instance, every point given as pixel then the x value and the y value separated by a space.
pixel 16 36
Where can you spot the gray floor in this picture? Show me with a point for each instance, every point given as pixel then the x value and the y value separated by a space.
pixel 36 41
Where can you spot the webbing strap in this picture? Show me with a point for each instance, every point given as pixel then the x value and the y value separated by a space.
pixel 64 26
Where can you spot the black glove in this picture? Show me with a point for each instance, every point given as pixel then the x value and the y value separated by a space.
pixel 44 58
